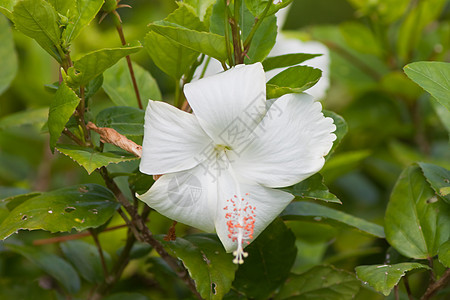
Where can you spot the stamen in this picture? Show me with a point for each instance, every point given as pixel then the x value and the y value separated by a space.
pixel 241 224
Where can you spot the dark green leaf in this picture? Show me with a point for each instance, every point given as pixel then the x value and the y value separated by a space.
pixel 38 20
pixel 86 10
pixel 124 119
pixel 93 86
pixel 263 40
pixel 95 63
pixel 444 254
pixel 341 129
pixel 86 259
pixel 292 80
pixel 287 60
pixel 360 38
pixel 433 77
pixel 320 282
pixel 438 178
pixel 211 268
pixel 91 159
pixel 300 210
pixel 36 116
pixel 55 266
pixel 443 113
pixel 416 221
pixel 383 278
pixel 257 7
pixel 76 207
pixel 119 87
pixel 270 258
pixel 8 57
pixel 61 109
pixel 313 188
pixel 204 42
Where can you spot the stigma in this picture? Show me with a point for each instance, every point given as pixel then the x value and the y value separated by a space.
pixel 240 216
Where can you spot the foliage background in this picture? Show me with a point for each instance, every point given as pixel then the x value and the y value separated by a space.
pixel 391 122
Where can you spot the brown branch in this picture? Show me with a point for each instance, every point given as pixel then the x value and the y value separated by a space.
pixel 100 252
pixel 436 286
pixel 109 135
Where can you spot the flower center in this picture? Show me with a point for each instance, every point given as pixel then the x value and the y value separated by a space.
pixel 241 224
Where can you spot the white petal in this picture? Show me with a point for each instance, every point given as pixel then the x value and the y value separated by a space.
pixel 188 197
pixel 173 140
pixel 290 143
pixel 290 45
pixel 265 203
pixel 229 105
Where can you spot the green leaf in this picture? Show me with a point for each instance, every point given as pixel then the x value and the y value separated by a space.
pixel 86 259
pixel 340 132
pixel 360 38
pixel 270 258
pixel 383 278
pixel 119 87
pixel 38 20
pixel 124 119
pixel 444 254
pixel 263 40
pixel 91 159
pixel 443 113
pixel 433 77
pixel 95 63
pixel 438 178
pixel 257 6
pixel 201 7
pixel 14 201
pixel 55 266
pixel 6 7
pixel 416 221
pixel 36 116
pixel 204 42
pixel 287 60
pixel 8 56
pixel 208 264
pixel 320 282
pixel 300 210
pixel 313 188
pixel 86 10
pixel 64 7
pixel 76 207
pixel 62 107
pixel 292 80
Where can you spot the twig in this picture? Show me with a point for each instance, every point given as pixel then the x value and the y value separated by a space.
pixel 396 295
pixel 100 252
pixel 407 288
pixel 71 237
pixel 436 286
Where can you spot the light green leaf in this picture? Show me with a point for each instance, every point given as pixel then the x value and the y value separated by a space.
pixel 62 107
pixel 55 266
pixel 208 264
pixel 433 77
pixel 443 113
pixel 341 129
pixel 444 254
pixel 6 7
pixel 14 201
pixel 95 63
pixel 320 282
pixel 383 278
pixel 257 6
pixel 86 259
pixel 204 42
pixel 287 60
pixel 201 7
pixel 64 7
pixel 360 38
pixel 38 20
pixel 119 87
pixel 270 259
pixel 8 56
pixel 416 221
pixel 438 178
pixel 313 188
pixel 77 207
pixel 124 119
pixel 292 80
pixel 36 116
pixel 91 159
pixel 86 10
pixel 302 210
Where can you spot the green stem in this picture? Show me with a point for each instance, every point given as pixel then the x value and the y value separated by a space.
pixel 177 99
pixel 255 27
pixel 227 35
